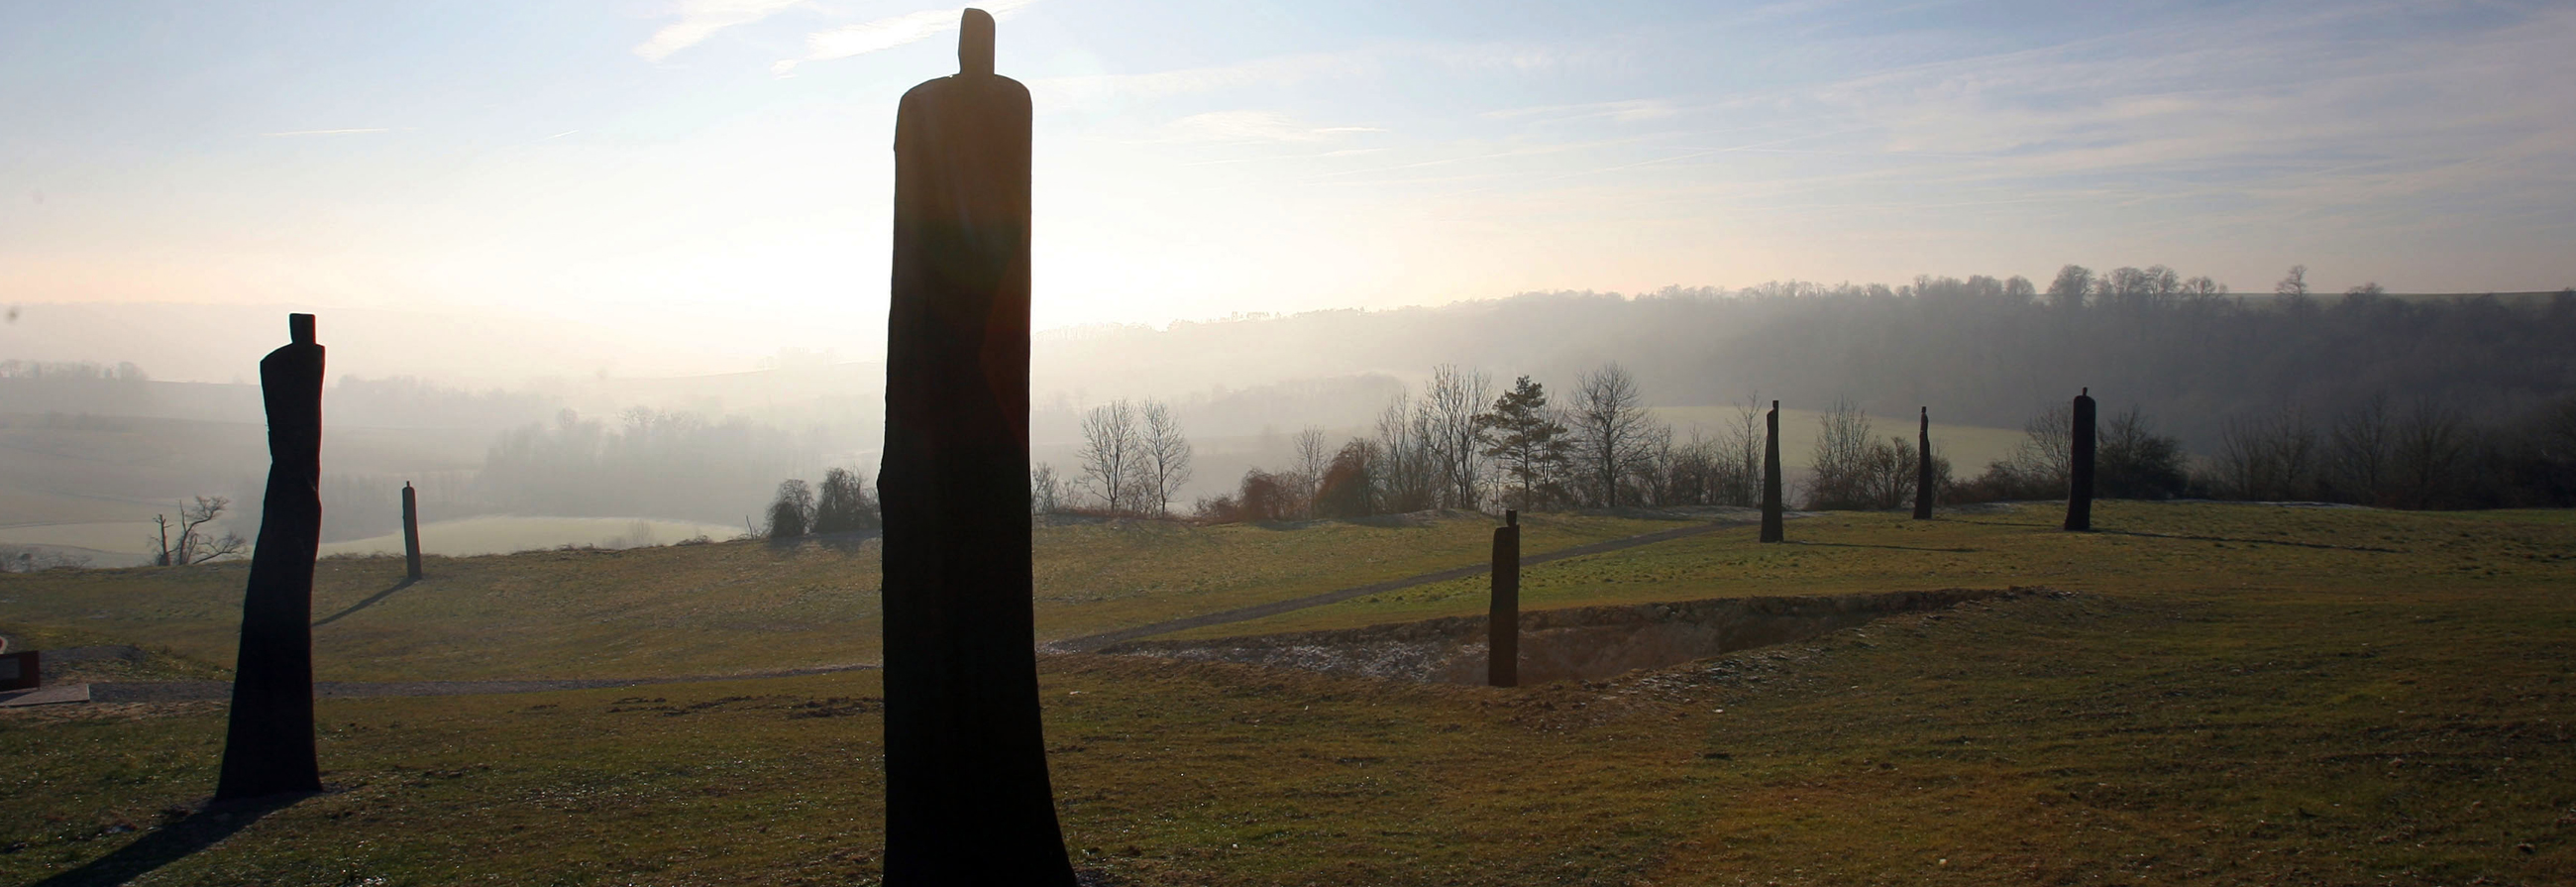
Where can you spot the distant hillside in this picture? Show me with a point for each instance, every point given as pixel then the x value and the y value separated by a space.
pixel 1981 353
pixel 1973 351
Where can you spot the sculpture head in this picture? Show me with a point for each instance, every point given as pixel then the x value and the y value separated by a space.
pixel 299 329
pixel 975 44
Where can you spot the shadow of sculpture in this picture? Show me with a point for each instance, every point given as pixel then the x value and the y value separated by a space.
pixel 2193 537
pixel 170 843
pixel 2281 542
pixel 1888 547
pixel 369 602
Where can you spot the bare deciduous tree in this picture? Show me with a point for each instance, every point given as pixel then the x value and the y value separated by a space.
pixel 1314 454
pixel 1455 401
pixel 1610 425
pixel 2429 452
pixel 1650 477
pixel 196 544
pixel 1739 461
pixel 1167 458
pixel 2294 283
pixel 1111 454
pixel 2046 454
pixel 2135 462
pixel 2269 457
pixel 1407 478
pixel 1842 463
pixel 1697 475
pixel 1046 490
pixel 2358 457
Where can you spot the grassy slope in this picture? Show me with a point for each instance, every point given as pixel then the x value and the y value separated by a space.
pixel 2198 715
pixel 2190 550
pixel 732 607
pixel 503 534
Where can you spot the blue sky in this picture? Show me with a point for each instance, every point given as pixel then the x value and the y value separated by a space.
pixel 720 169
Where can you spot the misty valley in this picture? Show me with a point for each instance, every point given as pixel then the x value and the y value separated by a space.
pixel 656 480
pixel 679 600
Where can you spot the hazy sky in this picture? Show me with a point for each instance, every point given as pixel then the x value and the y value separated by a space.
pixel 721 168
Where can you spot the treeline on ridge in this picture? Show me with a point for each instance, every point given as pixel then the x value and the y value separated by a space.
pixel 1985 350
pixel 1462 444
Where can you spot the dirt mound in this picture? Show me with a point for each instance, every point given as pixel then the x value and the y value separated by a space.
pixel 1583 643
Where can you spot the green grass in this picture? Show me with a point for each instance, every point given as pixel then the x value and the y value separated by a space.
pixel 729 607
pixel 2193 712
pixel 2180 549
pixel 504 534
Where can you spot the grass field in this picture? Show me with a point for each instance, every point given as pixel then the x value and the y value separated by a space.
pixel 494 534
pixel 729 607
pixel 2168 550
pixel 502 534
pixel 2222 694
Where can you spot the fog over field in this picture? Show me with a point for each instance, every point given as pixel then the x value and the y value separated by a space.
pixel 482 415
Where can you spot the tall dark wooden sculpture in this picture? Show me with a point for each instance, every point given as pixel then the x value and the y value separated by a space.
pixel 2079 469
pixel 1923 468
pixel 1771 529
pixel 967 797
pixel 411 533
pixel 268 748
pixel 1503 621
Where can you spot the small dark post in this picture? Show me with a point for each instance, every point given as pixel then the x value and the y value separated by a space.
pixel 268 747
pixel 967 795
pixel 2079 473
pixel 1771 529
pixel 1503 621
pixel 1923 468
pixel 24 670
pixel 411 533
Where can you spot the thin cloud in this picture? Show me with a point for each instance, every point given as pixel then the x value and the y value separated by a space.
pixel 1624 111
pixel 1267 158
pixel 886 33
pixel 1271 71
pixel 701 19
pixel 1367 63
pixel 329 132
pixel 1251 126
